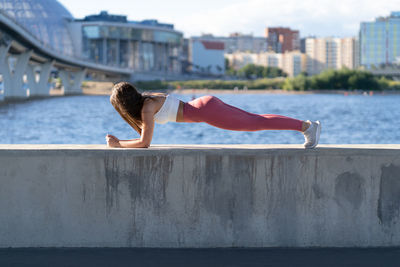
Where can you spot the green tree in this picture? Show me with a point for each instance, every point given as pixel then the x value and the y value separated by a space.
pixel 252 71
pixel 227 65
pixel 344 79
pixel 298 83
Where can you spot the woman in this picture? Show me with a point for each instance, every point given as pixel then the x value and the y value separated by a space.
pixel 141 111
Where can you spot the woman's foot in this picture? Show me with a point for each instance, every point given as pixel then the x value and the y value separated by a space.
pixel 311 135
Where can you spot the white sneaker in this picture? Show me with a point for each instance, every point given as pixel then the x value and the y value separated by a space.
pixel 311 135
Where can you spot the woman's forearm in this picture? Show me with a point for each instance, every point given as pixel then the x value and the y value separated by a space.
pixel 130 139
pixel 133 143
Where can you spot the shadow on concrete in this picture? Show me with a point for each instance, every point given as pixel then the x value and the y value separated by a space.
pixel 220 257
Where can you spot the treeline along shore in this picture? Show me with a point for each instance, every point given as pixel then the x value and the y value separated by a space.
pixel 345 79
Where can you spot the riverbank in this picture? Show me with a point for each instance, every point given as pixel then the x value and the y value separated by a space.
pixel 97 88
pixel 104 88
pixel 343 79
pixel 280 91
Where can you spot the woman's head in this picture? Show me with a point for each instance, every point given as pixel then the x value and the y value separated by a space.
pixel 128 102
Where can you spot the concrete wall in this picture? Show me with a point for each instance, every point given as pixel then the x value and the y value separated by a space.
pixel 199 196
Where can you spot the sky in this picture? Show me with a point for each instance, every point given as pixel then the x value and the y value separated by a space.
pixel 321 18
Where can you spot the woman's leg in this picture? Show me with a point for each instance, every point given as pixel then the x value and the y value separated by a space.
pixel 211 110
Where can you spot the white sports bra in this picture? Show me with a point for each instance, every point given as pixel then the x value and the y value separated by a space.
pixel 168 111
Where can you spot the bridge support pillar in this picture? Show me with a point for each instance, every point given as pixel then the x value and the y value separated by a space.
pixel 40 87
pixel 72 81
pixel 4 70
pixel 13 79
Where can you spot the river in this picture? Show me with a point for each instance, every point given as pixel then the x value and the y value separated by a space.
pixel 352 119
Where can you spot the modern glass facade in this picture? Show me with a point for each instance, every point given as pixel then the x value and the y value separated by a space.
pixel 126 45
pixel 380 41
pixel 44 19
pixel 130 33
pixel 112 40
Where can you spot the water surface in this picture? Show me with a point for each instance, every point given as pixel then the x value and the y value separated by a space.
pixel 353 119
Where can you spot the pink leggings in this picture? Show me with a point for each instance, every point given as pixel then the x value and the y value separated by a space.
pixel 211 110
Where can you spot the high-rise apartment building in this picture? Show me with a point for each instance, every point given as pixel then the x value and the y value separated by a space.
pixel 238 60
pixel 281 40
pixel 380 41
pixel 331 53
pixel 293 63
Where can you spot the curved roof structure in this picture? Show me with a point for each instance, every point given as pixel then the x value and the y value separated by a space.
pixel 44 19
pixel 46 29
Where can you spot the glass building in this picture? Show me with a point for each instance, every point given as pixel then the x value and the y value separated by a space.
pixel 141 46
pixel 146 46
pixel 380 41
pixel 46 20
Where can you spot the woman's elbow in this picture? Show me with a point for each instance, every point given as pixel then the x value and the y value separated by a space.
pixel 144 144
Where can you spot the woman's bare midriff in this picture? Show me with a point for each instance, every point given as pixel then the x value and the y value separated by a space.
pixel 179 116
pixel 160 99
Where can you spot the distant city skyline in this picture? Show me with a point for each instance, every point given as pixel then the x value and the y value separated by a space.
pixel 339 18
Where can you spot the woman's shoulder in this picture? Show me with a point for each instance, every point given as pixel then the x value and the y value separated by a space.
pixel 154 94
pixel 154 97
pixel 153 103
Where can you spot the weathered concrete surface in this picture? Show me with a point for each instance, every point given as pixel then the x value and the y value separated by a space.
pixel 199 196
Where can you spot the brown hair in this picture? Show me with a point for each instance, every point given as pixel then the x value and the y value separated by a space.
pixel 129 103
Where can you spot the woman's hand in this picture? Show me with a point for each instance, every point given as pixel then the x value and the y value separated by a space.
pixel 112 141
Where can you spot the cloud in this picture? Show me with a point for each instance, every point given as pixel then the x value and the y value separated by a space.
pixel 321 18
pixel 311 17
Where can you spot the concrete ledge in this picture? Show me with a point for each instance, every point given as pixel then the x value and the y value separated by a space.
pixel 199 196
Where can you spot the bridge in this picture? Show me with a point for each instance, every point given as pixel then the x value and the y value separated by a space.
pixel 34 60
